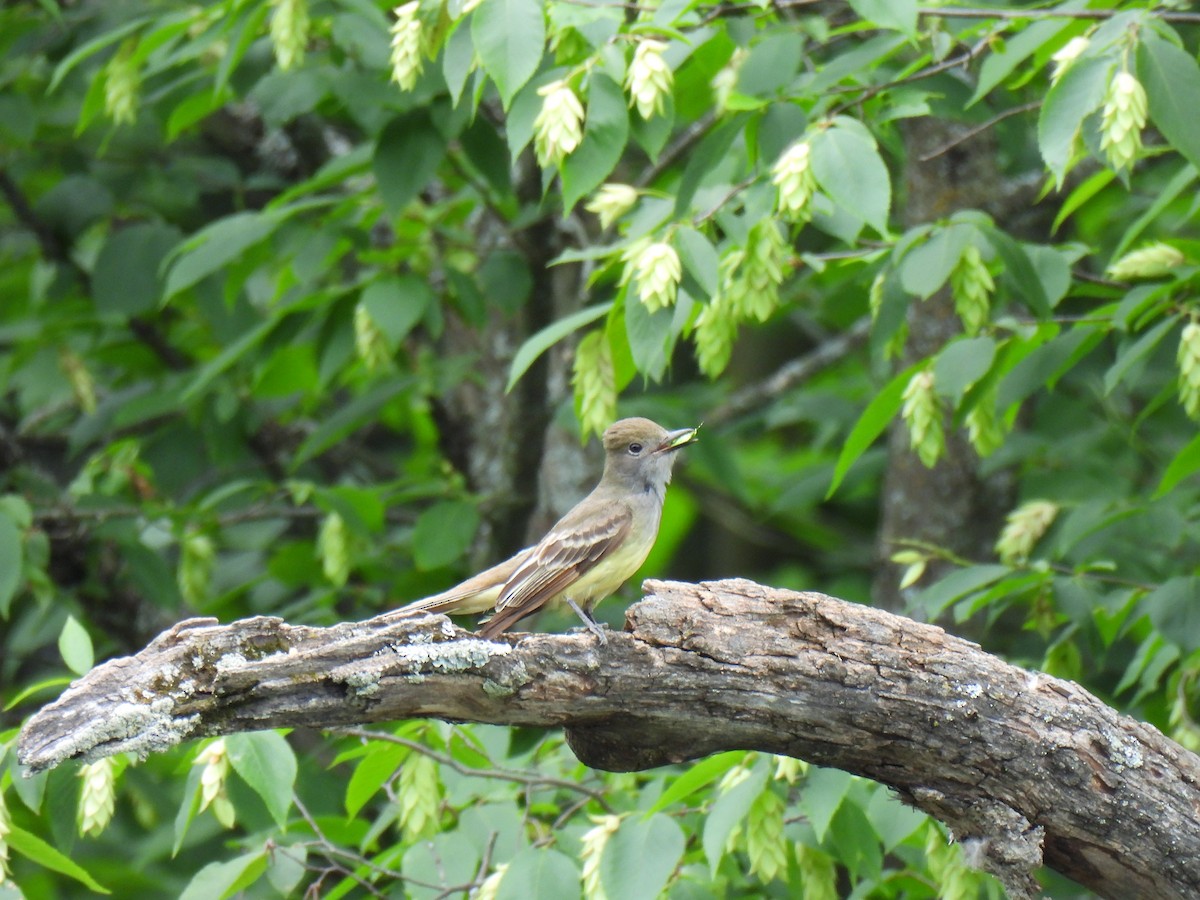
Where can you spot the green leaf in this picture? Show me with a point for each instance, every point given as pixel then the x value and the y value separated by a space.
pixel 127 279
pixel 696 777
pixel 604 137
pixel 1175 613
pixel 34 848
pixel 821 795
pixel 543 340
pixel 372 771
pixel 443 533
pixel 848 168
pixel 12 556
pixel 265 761
pixel 1002 60
pixel 396 303
pixel 189 808
pixel 407 155
pixel 1171 77
pixel 539 873
pixel 928 266
pixel 75 57
pixel 961 364
pixel 219 880
pixel 212 248
pixel 727 813
pixel 699 258
pixel 1078 94
pixel 959 583
pixel 75 645
pixel 510 36
pixel 1131 354
pixel 458 56
pixel 650 335
pixel 640 856
pixel 870 425
pixel 1020 271
pixel 899 15
pixel 1186 462
pixel 348 418
pixel 892 820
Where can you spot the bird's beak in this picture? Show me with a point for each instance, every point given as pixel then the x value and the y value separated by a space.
pixel 677 439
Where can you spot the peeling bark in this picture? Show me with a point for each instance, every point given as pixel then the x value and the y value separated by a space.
pixel 1026 769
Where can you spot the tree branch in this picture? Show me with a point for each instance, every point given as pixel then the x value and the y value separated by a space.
pixel 1026 769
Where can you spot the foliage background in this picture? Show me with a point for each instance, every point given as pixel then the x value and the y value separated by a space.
pixel 305 312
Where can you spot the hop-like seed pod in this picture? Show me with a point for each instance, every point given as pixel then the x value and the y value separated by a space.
pixel 650 79
pixel 1152 261
pixel 289 32
pixel 98 796
pixel 1189 368
pixel 406 45
pixel 595 383
pixel 1067 55
pixel 751 278
pixel 122 82
pixel 726 79
pixel 984 430
pixel 972 286
pixel 558 128
pixel 657 272
pixel 794 181
pixel 611 202
pixel 715 329
pixel 5 831
pixel 1122 120
pixel 215 760
pixel 922 414
pixel 1023 528
pixel 593 843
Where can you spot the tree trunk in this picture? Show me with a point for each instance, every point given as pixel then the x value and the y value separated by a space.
pixel 1025 769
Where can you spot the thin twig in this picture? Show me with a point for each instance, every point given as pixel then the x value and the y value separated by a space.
pixel 531 779
pixel 979 129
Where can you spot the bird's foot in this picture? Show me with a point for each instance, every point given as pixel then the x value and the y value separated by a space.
pixel 592 625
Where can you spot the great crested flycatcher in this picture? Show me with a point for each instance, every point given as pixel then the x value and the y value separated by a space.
pixel 592 550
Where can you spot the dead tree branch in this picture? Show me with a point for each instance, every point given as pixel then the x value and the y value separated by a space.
pixel 1026 769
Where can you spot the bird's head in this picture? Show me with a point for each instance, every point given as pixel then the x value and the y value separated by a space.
pixel 641 453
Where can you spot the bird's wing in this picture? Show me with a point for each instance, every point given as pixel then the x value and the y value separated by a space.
pixel 561 559
pixel 475 595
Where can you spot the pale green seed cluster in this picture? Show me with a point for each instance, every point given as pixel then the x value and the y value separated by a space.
pixel 418 792
pixel 751 278
pixel 1183 726
pixel 558 128
pixel 122 83
pixel 922 414
pixel 724 82
pixel 611 202
pixel 788 768
pixel 593 843
pixel 1023 528
pixel 1122 120
pixel 766 845
pixel 650 79
pixel 197 556
pixel 406 45
pixel 289 32
pixel 715 329
pixel 595 383
pixel 97 797
pixel 1066 56
pixel 794 181
pixel 1152 261
pixel 83 385
pixel 657 273
pixel 972 286
pixel 213 780
pixel 369 341
pixel 948 867
pixel 333 549
pixel 985 430
pixel 490 888
pixel 1189 369
pixel 818 873
pixel 914 562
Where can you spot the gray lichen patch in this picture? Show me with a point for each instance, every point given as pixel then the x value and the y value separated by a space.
pixel 414 662
pixel 137 728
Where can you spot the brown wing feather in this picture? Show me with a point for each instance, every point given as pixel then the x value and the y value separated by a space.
pixel 561 559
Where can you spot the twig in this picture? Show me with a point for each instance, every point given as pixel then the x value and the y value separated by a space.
pixel 532 779
pixel 979 129
pixel 791 374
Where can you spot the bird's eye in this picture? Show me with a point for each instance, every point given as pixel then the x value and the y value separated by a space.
pixel 635 448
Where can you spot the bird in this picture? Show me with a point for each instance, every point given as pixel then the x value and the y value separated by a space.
pixel 592 550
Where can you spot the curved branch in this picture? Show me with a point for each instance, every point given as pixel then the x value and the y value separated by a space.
pixel 1026 769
